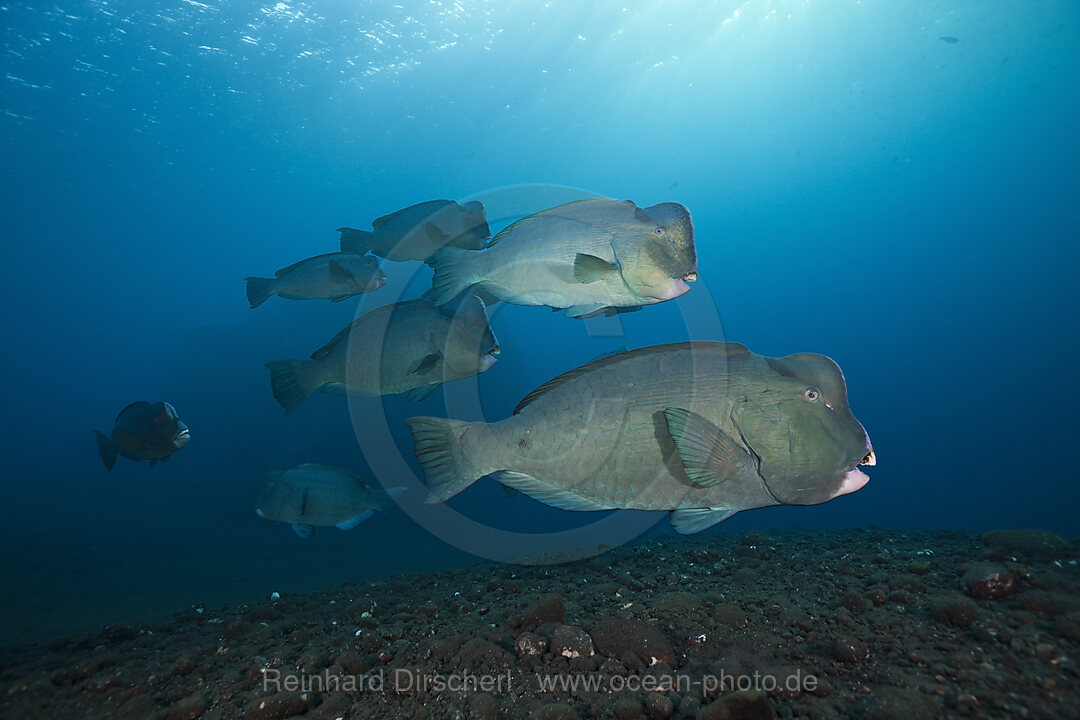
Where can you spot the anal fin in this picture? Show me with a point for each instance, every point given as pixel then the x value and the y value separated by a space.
pixel 553 496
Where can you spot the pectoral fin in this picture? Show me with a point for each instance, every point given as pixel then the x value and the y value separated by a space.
pixel 590 269
pixel 354 521
pixel 695 520
pixel 299 503
pixel 422 392
pixel 426 364
pixel 709 456
pixel 436 234
pixel 337 272
pixel 585 311
pixel 335 388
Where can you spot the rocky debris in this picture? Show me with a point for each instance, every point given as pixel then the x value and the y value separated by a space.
pixel 618 636
pixel 528 643
pixel 1028 544
pixel 277 707
pixel 851 650
pixel 730 615
pixel 555 711
pixel 676 603
pixel 740 705
pixel 988 581
pixel 659 707
pixel 190 708
pixel 695 607
pixel 900 704
pixel 953 609
pixel 571 641
pixel 549 609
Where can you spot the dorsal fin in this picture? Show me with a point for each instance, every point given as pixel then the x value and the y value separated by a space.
pixel 434 205
pixel 541 214
pixel 132 406
pixel 290 268
pixel 731 348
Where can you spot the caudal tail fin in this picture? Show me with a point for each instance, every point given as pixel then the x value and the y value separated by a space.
pixel 106 450
pixel 293 382
pixel 259 290
pixel 452 274
pixel 355 241
pixel 437 445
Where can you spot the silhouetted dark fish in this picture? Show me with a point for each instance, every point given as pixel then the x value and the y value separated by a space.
pixel 143 432
pixel 701 429
pixel 949 38
pixel 418 231
pixel 310 496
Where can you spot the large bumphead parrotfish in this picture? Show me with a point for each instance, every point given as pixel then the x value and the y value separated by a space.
pixel 333 276
pixel 311 496
pixel 590 256
pixel 700 429
pixel 419 231
pixel 143 432
pixel 408 347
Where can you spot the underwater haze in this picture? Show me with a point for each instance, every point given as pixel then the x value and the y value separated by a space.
pixel 893 185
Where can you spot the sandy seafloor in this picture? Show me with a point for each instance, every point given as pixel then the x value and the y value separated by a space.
pixel 852 624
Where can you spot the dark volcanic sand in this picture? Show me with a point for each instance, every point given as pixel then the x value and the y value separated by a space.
pixel 856 624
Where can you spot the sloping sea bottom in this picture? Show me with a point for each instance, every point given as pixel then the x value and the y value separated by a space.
pixel 852 624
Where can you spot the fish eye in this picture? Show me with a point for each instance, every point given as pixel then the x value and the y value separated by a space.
pixel 812 394
pixel 658 231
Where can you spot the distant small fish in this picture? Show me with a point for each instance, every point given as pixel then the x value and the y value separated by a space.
pixel 948 38
pixel 310 496
pixel 143 432
pixel 333 276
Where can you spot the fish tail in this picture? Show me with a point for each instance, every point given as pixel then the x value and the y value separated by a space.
pixel 106 450
pixel 355 241
pixel 293 382
pixel 259 290
pixel 451 275
pixel 437 445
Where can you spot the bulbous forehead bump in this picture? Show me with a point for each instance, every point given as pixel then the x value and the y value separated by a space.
pixel 813 369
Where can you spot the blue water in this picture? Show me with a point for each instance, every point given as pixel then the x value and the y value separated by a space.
pixel 860 187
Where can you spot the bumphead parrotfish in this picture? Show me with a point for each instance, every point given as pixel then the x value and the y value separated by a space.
pixel 333 276
pixel 407 347
pixel 143 432
pixel 700 429
pixel 418 231
pixel 589 256
pixel 310 496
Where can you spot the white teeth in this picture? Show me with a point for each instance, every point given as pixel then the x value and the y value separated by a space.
pixel 690 277
pixel 870 460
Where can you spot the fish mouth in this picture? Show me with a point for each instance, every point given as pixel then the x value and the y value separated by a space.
pixel 853 480
pixel 690 277
pixel 494 351
pixel 870 460
pixel 182 438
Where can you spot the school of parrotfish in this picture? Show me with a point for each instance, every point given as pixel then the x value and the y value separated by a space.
pixel 701 430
